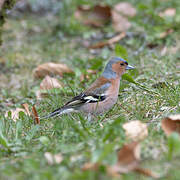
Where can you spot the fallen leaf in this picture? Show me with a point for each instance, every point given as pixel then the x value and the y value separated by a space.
pixel 26 107
pixel 112 171
pixel 95 16
pixel 35 114
pixel 168 12
pixel 15 113
pixel 120 23
pixel 49 157
pixel 49 83
pixel 166 33
pixel 90 166
pixel 51 69
pixel 146 172
pixel 171 124
pixel 83 77
pixel 111 41
pixel 136 130
pixel 125 9
pixel 53 159
pixel 120 14
pixel 58 158
pixel 128 157
pixel 163 51
pixel 128 160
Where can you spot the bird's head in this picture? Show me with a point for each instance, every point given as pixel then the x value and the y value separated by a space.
pixel 116 67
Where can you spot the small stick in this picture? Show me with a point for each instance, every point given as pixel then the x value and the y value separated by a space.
pixel 36 118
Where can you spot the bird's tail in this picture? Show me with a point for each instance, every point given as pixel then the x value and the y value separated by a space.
pixel 58 112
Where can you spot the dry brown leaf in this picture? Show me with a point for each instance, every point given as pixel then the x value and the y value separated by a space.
pixel 49 157
pixel 120 23
pixel 51 69
pixel 166 33
pixel 53 159
pixel 113 171
pixel 84 77
pixel 90 166
pixel 146 172
pixel 49 83
pixel 98 45
pixel 129 157
pixel 136 130
pixel 35 114
pixel 163 51
pixel 125 9
pixel 15 113
pixel 111 41
pixel 58 158
pixel 171 124
pixel 120 13
pixel 168 12
pixel 128 160
pixel 95 16
pixel 26 107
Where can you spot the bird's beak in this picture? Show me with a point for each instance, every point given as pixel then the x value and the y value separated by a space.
pixel 129 67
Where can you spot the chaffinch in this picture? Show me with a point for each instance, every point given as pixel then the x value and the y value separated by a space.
pixel 101 95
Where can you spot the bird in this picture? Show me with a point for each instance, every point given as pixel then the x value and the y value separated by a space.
pixel 101 95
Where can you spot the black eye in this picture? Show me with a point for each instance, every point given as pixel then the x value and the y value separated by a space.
pixel 122 64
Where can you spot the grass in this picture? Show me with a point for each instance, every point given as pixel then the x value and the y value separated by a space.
pixel 28 42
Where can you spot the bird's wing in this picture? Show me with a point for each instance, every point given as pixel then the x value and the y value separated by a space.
pixel 95 93
pixel 84 98
pixel 100 86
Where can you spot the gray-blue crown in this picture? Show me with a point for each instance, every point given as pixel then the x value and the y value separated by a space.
pixel 108 72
